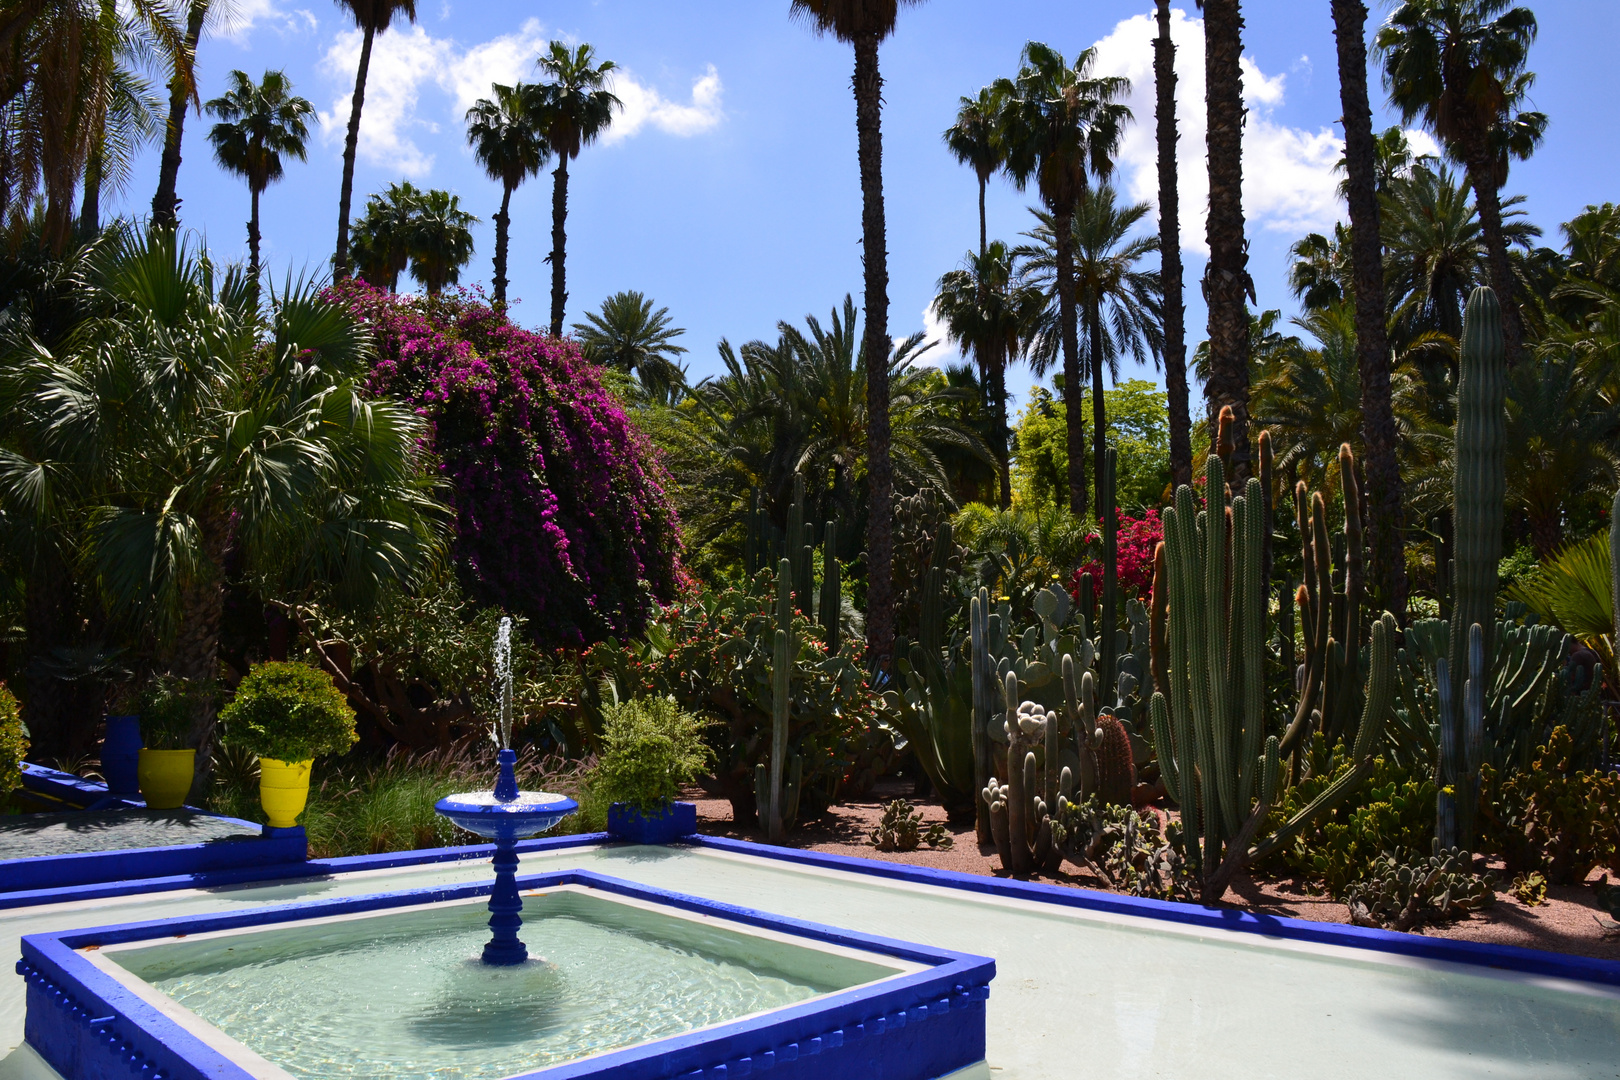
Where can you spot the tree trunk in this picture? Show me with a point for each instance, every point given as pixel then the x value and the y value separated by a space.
pixel 90 211
pixel 1099 408
pixel 1175 314
pixel 559 243
pixel 1372 340
pixel 196 646
pixel 1481 177
pixel 340 258
pixel 1072 391
pixel 1226 280
pixel 502 221
pixel 984 243
pixel 166 203
pixel 998 416
pixel 253 237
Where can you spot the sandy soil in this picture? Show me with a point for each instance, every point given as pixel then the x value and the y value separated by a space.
pixel 1565 923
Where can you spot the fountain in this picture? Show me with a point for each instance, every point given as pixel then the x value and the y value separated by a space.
pixel 505 815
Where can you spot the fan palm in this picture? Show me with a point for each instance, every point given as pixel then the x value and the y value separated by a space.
pixel 259 124
pixel 572 109
pixel 510 147
pixel 1120 306
pixel 439 239
pixel 863 24
pixel 1062 125
pixel 1575 589
pixel 372 17
pixel 166 202
pixel 627 334
pixel 975 141
pixel 382 238
pixel 1459 66
pixel 988 308
pixel 1319 268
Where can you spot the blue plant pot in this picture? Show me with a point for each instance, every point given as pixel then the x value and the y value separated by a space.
pixel 676 820
pixel 121 754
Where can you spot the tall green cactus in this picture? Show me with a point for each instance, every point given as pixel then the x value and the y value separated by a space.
pixel 781 695
pixel 832 593
pixel 1106 642
pixel 1480 475
pixel 984 704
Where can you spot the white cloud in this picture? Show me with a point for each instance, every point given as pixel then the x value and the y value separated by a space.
pixel 644 105
pixel 1289 185
pixel 405 59
pixel 944 350
pixel 246 15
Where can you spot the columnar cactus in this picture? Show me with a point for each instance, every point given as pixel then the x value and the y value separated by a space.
pixel 832 594
pixel 781 695
pixel 1106 649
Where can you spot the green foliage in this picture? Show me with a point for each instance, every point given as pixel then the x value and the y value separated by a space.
pixel 1575 589
pixel 1125 846
pixel 1515 567
pixel 1403 890
pixel 169 709
pixel 1137 427
pixel 1531 889
pixel 13 742
pixel 1393 810
pixel 289 712
pixel 1553 817
pixel 651 748
pixel 901 829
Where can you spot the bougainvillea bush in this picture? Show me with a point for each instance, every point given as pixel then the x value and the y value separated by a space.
pixel 1137 538
pixel 562 512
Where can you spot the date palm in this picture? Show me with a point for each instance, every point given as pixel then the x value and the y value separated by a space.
pixel 1175 315
pixel 372 17
pixel 1459 66
pixel 1120 305
pixel 439 238
pixel 1063 126
pixel 975 140
pixel 627 334
pixel 510 147
pixel 987 307
pixel 572 109
pixel 382 238
pixel 863 24
pixel 259 124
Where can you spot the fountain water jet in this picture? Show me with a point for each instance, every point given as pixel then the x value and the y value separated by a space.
pixel 505 815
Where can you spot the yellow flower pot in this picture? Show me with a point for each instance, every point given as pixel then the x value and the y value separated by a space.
pixel 165 777
pixel 283 790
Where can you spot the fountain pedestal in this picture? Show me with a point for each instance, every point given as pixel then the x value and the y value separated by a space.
pixel 506 815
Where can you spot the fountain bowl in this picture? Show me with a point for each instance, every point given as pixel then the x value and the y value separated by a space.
pixel 485 814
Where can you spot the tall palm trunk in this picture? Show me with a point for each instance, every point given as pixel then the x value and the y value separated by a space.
pixel 984 243
pixel 1482 178
pixel 502 221
pixel 1070 335
pixel 559 243
pixel 1372 339
pixel 253 235
pixel 166 203
pixel 1175 333
pixel 196 646
pixel 90 212
pixel 875 258
pixel 1226 280
pixel 997 384
pixel 1099 408
pixel 340 258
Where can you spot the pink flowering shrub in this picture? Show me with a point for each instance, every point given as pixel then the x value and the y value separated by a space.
pixel 561 508
pixel 1138 538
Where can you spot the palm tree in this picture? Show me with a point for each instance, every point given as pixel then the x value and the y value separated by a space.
pixel 628 335
pixel 572 110
pixel 1459 65
pixel 258 124
pixel 1372 306
pixel 1120 306
pixel 166 203
pixel 1060 124
pixel 1175 314
pixel 864 24
pixel 974 141
pixel 511 149
pixel 1319 269
pixel 986 306
pixel 1226 277
pixel 382 238
pixel 372 17
pixel 439 239
pixel 1560 443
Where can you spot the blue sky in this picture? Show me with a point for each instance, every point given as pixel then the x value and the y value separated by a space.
pixel 728 189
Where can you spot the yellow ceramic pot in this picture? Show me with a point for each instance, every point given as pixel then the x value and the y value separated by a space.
pixel 165 777
pixel 283 790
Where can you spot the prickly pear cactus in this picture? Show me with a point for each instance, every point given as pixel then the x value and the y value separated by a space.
pixel 1404 890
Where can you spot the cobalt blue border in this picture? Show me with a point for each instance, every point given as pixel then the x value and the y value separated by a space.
pixel 1511 958
pixel 87 1024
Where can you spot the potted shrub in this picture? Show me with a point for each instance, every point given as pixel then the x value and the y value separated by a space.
pixel 167 708
pixel 288 714
pixel 650 748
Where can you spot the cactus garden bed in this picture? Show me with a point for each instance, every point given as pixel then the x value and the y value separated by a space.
pixel 1565 922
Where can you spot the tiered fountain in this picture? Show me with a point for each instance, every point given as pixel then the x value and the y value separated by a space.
pixel 505 815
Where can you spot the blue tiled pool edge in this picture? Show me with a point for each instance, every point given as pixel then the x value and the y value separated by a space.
pixel 86 1024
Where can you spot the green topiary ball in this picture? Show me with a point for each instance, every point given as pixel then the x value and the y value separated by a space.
pixel 13 743
pixel 289 712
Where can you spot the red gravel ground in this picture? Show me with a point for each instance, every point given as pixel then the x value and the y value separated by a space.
pixel 1565 923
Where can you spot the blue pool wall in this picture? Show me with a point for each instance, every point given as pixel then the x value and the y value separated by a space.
pixel 916 1026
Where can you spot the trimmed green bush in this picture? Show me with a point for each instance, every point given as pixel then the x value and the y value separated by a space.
pixel 168 710
pixel 13 743
pixel 650 748
pixel 289 712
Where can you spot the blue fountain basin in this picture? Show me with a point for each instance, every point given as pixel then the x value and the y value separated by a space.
pixel 531 813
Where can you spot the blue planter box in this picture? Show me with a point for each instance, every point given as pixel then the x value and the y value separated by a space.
pixel 678 819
